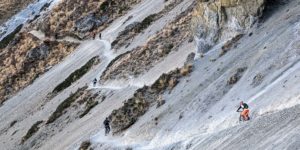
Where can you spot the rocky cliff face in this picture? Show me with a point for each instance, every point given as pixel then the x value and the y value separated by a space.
pixel 219 20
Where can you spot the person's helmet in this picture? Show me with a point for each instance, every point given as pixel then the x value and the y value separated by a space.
pixel 241 102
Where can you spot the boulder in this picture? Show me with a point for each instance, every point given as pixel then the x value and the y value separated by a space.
pixel 89 22
pixel 38 53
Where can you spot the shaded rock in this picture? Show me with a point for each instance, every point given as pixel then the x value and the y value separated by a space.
pixel 89 22
pixel 230 44
pixel 190 59
pixel 131 26
pixel 38 53
pixel 85 145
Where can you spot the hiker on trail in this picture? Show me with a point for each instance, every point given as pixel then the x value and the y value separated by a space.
pixel 95 82
pixel 107 127
pixel 94 35
pixel 245 111
pixel 100 36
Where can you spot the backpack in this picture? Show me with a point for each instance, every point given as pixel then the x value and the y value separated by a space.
pixel 106 122
pixel 245 106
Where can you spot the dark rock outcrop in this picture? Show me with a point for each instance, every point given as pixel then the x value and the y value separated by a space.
pixel 89 22
pixel 38 53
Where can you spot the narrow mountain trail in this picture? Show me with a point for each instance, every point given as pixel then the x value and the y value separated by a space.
pixel 54 76
pixel 34 96
pixel 41 36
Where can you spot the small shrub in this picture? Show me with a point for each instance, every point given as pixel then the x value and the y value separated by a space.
pixel 77 74
pixel 104 6
pixel 257 80
pixel 229 44
pixel 145 23
pixel 64 105
pixel 233 79
pixel 85 145
pixel 173 82
pixel 34 128
pixel 236 76
pixel 187 69
pixel 160 103
pixel 89 106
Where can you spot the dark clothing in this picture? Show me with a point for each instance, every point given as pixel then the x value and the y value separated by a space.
pixel 95 82
pixel 107 130
pixel 107 127
pixel 243 106
pixel 106 122
pixel 100 36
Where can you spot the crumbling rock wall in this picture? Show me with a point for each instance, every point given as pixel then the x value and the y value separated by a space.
pixel 219 20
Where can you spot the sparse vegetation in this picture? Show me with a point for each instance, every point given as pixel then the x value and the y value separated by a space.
pixel 131 30
pixel 257 80
pixel 25 58
pixel 236 76
pixel 229 44
pixel 140 59
pixel 90 104
pixel 137 27
pixel 77 74
pixel 34 128
pixel 65 104
pixel 85 145
pixel 160 103
pixel 145 23
pixel 187 69
pixel 136 106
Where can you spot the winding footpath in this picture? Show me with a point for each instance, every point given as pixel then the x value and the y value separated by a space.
pixel 30 105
